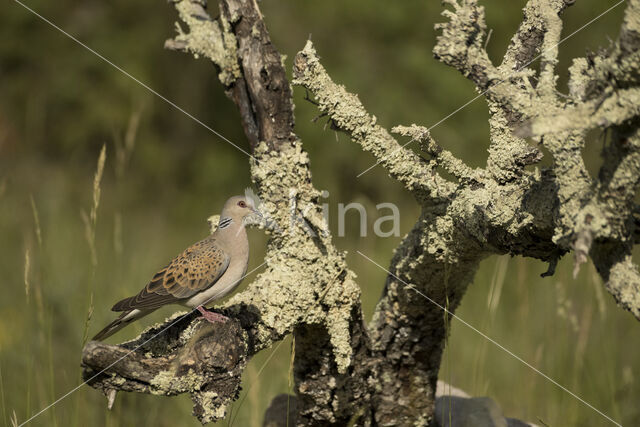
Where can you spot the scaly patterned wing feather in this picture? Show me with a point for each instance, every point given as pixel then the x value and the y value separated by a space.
pixel 197 268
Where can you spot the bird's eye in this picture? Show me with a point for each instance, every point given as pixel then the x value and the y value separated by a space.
pixel 242 204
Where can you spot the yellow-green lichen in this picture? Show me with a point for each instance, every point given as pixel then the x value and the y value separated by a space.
pixel 167 382
pixel 348 114
pixel 209 38
pixel 211 407
pixel 302 263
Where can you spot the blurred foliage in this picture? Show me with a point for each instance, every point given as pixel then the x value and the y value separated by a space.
pixel 59 104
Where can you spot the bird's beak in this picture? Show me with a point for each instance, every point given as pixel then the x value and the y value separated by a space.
pixel 257 212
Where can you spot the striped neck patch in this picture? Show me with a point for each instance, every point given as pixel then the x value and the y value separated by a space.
pixel 225 222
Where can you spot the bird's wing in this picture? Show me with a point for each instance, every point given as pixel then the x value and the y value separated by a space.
pixel 196 269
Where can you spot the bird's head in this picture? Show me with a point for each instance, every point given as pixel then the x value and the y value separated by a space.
pixel 239 207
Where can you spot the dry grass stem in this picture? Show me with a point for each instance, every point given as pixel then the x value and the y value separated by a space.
pixel 125 148
pixel 87 322
pixel 36 220
pixel 27 268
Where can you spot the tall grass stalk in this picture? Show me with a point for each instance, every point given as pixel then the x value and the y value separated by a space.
pixel 52 377
pixel 124 146
pixel 4 406
pixel 596 282
pixel 34 283
pixel 27 268
pixel 39 303
pixel 87 320
pixel 447 341
pixel 90 223
pixel 493 299
pixel 36 221
pixel 28 382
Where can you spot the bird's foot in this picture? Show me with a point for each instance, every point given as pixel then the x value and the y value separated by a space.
pixel 211 316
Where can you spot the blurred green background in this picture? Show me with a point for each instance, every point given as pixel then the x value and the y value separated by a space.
pixel 165 174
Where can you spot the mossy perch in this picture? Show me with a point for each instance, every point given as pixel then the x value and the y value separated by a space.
pixel 181 355
pixel 385 373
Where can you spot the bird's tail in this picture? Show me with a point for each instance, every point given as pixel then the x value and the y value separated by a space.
pixel 123 320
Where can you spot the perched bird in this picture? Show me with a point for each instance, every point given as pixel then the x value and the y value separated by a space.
pixel 206 271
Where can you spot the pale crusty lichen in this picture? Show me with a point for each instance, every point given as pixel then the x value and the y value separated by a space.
pixel 167 382
pixel 438 258
pixel 623 284
pixel 603 93
pixel 525 44
pixel 507 87
pixel 213 221
pixel 208 38
pixel 302 263
pixel 471 223
pixel 445 158
pixel 210 405
pixel 615 109
pixel 348 114
pixel 460 43
pixel 118 380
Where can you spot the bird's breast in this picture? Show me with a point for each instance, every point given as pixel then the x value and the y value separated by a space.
pixel 231 279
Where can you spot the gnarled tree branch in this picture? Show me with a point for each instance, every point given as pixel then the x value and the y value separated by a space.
pixel 385 373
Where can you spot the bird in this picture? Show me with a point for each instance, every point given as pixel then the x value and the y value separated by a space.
pixel 204 272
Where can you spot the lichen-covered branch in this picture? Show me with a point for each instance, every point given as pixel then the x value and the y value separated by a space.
pixel 306 282
pixel 542 214
pixel 181 355
pixel 385 373
pixel 460 45
pixel 620 274
pixel 537 22
pixel 614 110
pixel 507 88
pixel 438 258
pixel 604 94
pixel 206 38
pixel 442 157
pixel 234 44
pixel 348 114
pixel 588 210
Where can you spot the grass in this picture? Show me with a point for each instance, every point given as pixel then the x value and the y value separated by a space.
pixel 27 268
pixel 447 327
pixel 90 223
pixel 2 399
pixel 566 328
